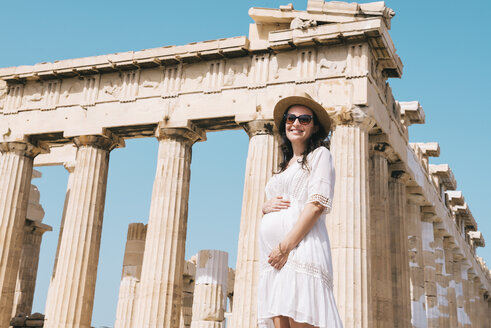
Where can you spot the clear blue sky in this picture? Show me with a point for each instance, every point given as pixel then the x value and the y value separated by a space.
pixel 444 45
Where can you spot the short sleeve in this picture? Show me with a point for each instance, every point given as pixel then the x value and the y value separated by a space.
pixel 320 187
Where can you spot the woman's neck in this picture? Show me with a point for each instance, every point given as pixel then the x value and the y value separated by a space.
pixel 298 149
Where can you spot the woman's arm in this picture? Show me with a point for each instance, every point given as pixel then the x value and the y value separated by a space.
pixel 308 217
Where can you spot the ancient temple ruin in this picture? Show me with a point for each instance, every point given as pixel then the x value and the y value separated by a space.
pixel 403 237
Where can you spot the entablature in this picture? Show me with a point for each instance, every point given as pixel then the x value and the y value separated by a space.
pixel 455 197
pixel 131 60
pixel 443 175
pixel 412 113
pixel 477 238
pixel 465 214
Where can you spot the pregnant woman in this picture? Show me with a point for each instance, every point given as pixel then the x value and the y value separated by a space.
pixel 295 285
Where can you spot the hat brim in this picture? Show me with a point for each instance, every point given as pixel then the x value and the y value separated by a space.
pixel 307 101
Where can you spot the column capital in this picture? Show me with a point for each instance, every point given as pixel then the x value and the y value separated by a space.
pixel 106 141
pixel 379 144
pixel 352 116
pixel 258 127
pixel 399 173
pixel 24 148
pixel 428 214
pixel 417 199
pixel 186 131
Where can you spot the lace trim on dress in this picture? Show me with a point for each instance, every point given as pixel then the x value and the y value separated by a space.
pixel 321 199
pixel 301 179
pixel 307 268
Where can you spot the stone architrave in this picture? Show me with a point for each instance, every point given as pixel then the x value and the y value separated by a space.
pixel 70 167
pixel 160 290
pixel 416 264
pixel 72 289
pixel 262 159
pixel 15 181
pixel 399 258
pixel 29 260
pixel 210 289
pixel 130 278
pixel 348 221
pixel 380 270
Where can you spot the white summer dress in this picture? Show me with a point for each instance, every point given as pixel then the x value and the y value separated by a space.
pixel 303 288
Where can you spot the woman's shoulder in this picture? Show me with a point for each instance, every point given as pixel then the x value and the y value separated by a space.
pixel 319 151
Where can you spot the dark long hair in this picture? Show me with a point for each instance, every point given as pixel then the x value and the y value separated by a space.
pixel 316 140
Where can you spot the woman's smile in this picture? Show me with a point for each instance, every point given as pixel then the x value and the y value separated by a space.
pixel 297 132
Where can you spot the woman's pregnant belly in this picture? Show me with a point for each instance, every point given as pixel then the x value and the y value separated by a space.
pixel 274 226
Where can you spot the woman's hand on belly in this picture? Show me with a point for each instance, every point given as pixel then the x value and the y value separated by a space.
pixel 275 204
pixel 278 257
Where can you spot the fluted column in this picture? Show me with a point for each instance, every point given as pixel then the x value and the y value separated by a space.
pixel 416 264
pixel 400 263
pixel 130 278
pixel 262 158
pixel 459 294
pixel 29 260
pixel 464 311
pixel 450 282
pixel 488 309
pixel 380 273
pixel 474 300
pixel 441 281
pixel 210 290
pixel 15 181
pixel 70 167
pixel 428 243
pixel 160 290
pixel 72 289
pixel 348 221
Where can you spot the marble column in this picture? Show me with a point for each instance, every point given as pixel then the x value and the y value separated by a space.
pixel 15 182
pixel 475 301
pixel 441 281
pixel 381 283
pixel 400 262
pixel 130 278
pixel 450 281
pixel 160 290
pixel 262 159
pixel 464 311
pixel 72 289
pixel 210 290
pixel 29 260
pixel 348 221
pixel 428 243
pixel 70 167
pixel 416 263
pixel 488 309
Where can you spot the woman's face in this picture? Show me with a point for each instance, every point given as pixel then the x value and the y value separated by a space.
pixel 296 132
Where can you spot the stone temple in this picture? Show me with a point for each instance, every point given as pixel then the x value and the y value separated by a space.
pixel 403 237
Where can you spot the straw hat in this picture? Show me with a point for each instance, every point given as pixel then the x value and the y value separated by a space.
pixel 302 98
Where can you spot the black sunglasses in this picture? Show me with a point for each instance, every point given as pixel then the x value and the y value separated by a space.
pixel 302 119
